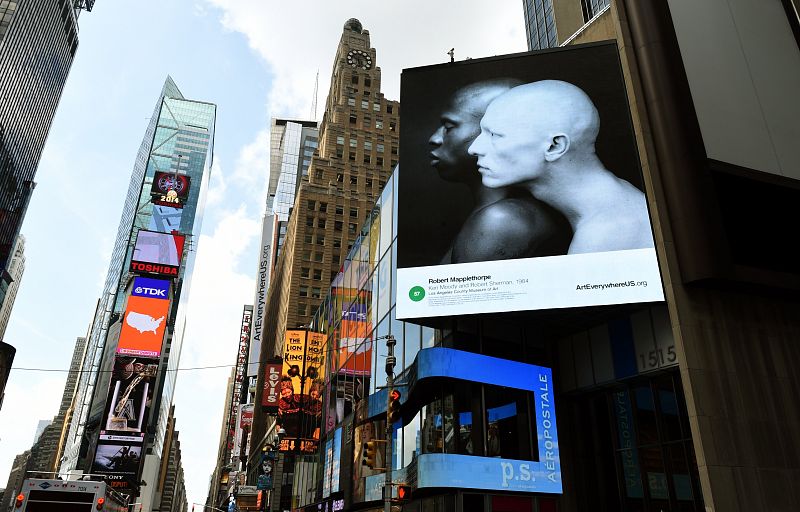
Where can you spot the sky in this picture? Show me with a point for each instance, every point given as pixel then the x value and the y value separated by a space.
pixel 255 59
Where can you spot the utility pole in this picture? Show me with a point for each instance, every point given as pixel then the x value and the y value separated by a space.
pixel 390 364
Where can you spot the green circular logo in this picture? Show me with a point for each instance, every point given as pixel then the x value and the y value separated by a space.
pixel 416 293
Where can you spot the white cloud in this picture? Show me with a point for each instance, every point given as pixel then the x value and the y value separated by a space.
pixel 300 38
pixel 252 167
pixel 216 186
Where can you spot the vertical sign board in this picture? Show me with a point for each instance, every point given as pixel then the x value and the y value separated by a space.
pixel 523 120
pixel 301 384
pixel 145 318
pixel 270 394
pixel 241 363
pixel 262 285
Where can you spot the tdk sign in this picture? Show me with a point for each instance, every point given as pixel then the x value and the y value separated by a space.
pixel 151 288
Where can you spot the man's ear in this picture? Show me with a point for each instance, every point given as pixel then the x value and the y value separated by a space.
pixel 559 145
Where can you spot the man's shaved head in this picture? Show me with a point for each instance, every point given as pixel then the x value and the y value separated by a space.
pixel 460 125
pixel 531 125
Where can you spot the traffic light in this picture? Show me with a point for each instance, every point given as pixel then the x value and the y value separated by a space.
pixel 20 500
pixel 370 452
pixel 394 407
pixel 100 503
pixel 403 492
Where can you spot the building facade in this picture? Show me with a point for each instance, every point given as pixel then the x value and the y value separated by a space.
pixel 16 267
pixel 146 288
pixel 38 41
pixel 680 404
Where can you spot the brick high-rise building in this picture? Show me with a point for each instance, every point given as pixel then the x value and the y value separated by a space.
pixel 358 148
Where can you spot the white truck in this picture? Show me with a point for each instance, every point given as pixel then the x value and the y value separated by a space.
pixel 56 495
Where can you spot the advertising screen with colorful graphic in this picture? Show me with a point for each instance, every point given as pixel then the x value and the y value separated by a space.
pixel 521 187
pixel 157 253
pixel 170 189
pixel 130 394
pixel 301 384
pixel 145 318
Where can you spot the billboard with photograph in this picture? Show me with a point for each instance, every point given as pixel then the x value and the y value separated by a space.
pixel 170 189
pixel 145 318
pixel 130 395
pixel 301 383
pixel 157 253
pixel 119 460
pixel 521 187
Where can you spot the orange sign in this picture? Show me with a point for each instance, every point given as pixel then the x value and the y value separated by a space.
pixel 143 326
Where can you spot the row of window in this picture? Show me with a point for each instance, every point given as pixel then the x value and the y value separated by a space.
pixel 323 207
pixel 380 148
pixel 338 225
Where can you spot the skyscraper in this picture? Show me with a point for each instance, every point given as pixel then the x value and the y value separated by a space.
pixel 551 23
pixel 145 289
pixel 292 144
pixel 38 40
pixel 540 28
pixel 358 148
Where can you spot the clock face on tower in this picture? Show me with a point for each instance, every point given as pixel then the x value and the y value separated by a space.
pixel 359 59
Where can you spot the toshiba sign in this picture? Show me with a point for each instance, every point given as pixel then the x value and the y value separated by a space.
pixel 271 392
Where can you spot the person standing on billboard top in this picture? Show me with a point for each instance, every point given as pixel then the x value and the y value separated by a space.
pixel 503 224
pixel 541 137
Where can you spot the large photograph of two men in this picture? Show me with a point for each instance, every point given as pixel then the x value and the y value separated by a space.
pixel 519 156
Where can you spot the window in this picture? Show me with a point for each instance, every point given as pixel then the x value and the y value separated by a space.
pixel 311 204
pixel 368 145
pixel 369 182
pixel 333 275
pixel 379 147
pixel 323 207
pixel 339 210
pixel 301 309
pixel 310 221
pixel 304 291
pixel 307 255
pixel 392 126
pixel 376 107
pixel 339 153
pixel 318 173
pixel 354 212
pixel 340 140
pixel 351 102
pixel 389 109
pixel 365 104
pixel 379 160
pixel 318 257
pixel 367 82
pixel 353 143
pixel 353 119
pixel 337 243
pixel 317 274
pixel 308 239
pixel 316 293
pixel 352 228
pixel 394 163
pixel 352 156
pixel 321 223
pixel 379 125
pixel 394 150
pixel 305 272
pixel 354 79
pixel 367 158
pixel 337 226
pixel 354 180
pixel 336 259
pixel 320 240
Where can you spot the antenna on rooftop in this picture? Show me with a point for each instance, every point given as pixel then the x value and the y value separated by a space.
pixel 314 100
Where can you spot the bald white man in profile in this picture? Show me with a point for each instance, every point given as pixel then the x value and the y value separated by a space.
pixel 541 137
pixel 504 223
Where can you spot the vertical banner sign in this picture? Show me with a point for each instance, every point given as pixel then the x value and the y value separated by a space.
pixel 271 393
pixel 241 363
pixel 301 383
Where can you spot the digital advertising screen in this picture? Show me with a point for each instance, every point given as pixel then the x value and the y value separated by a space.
pixel 119 462
pixel 130 395
pixel 145 318
pixel 170 189
pixel 301 385
pixel 521 187
pixel 158 253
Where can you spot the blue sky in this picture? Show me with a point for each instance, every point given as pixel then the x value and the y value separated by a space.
pixel 254 59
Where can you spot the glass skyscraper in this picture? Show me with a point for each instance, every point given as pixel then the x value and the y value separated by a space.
pixel 178 141
pixel 38 40
pixel 540 25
